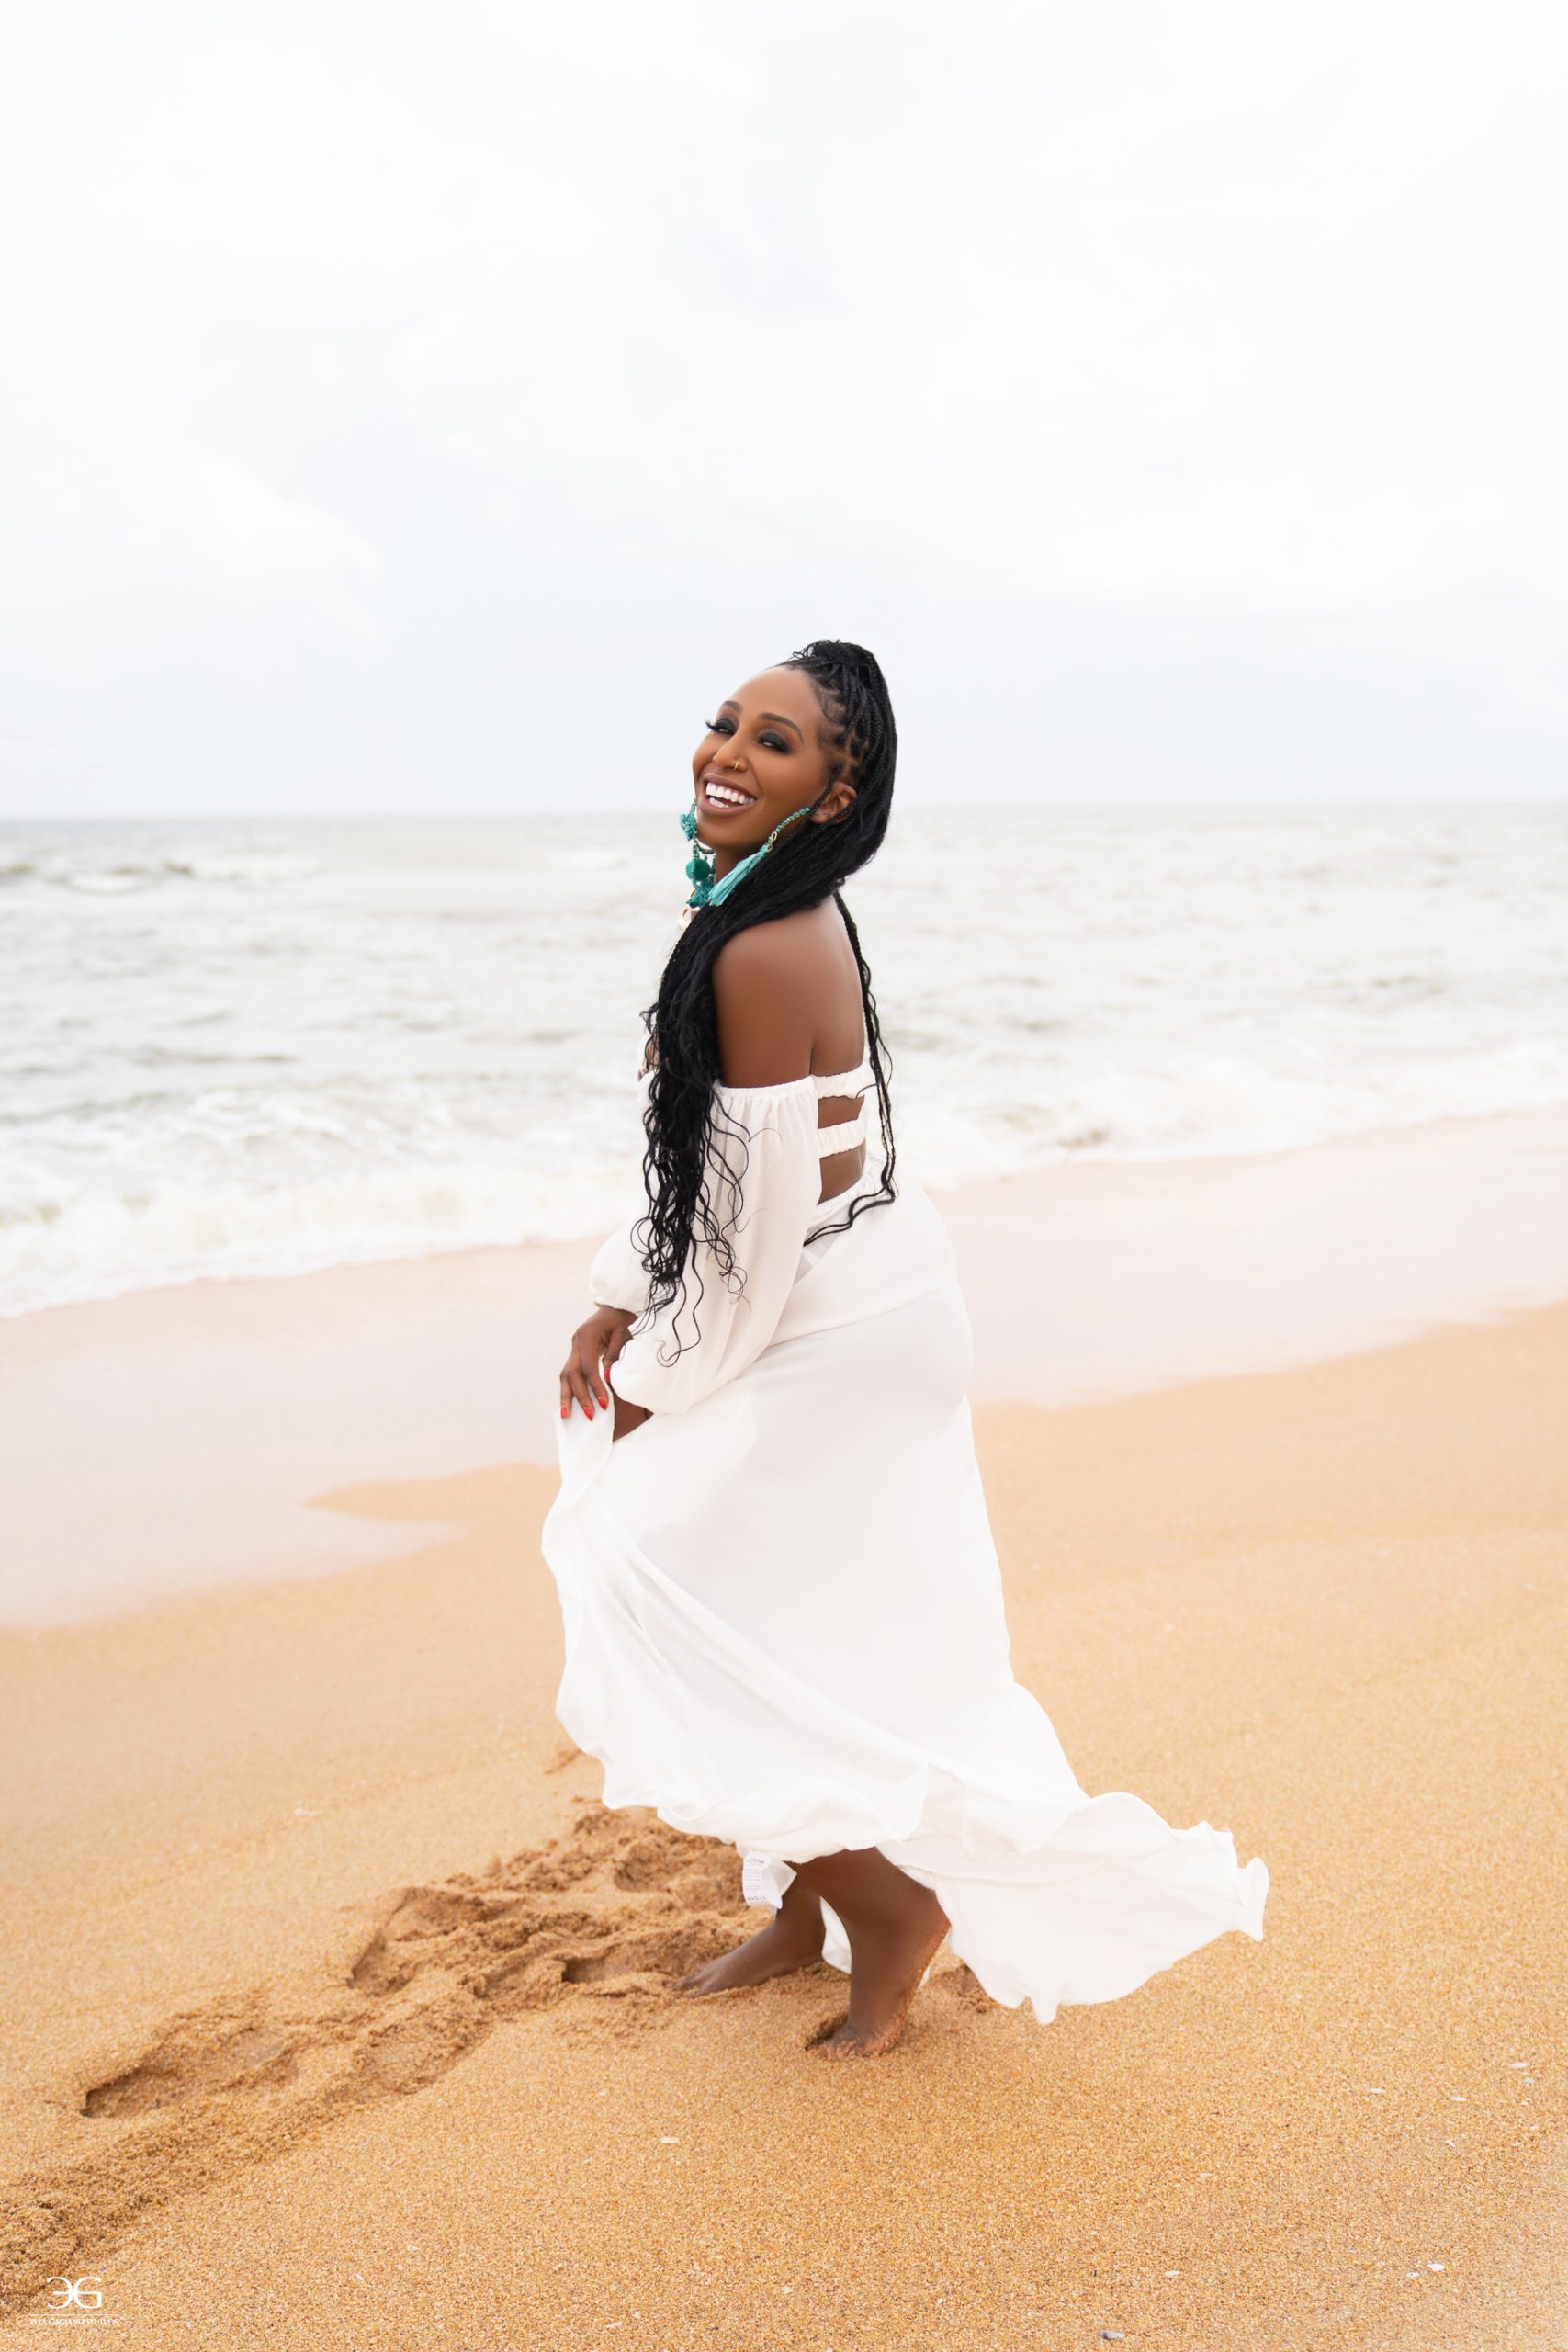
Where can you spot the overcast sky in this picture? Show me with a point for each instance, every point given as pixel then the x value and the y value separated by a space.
pixel 443 404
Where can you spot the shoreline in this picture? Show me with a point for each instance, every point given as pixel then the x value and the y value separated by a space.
pixel 230 1407
pixel 1071 1174
pixel 280 1860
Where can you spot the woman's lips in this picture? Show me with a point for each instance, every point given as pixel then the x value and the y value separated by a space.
pixel 728 805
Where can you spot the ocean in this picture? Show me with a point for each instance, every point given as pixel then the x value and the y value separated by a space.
pixel 264 1046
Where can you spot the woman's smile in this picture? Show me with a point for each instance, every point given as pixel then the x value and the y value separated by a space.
pixel 722 798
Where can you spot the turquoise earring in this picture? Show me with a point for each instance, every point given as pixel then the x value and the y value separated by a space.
pixel 699 865
pixel 706 891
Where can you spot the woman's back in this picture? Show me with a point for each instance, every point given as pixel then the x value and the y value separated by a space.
pixel 788 1002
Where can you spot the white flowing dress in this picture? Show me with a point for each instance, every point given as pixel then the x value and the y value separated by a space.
pixel 782 1605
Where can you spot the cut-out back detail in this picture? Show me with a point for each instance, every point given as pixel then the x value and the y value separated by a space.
pixel 770 1165
pixel 847 1133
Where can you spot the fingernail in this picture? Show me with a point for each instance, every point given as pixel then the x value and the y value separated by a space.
pixel 588 1410
pixel 564 1412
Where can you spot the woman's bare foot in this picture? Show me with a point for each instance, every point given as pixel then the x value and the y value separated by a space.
pixel 895 1927
pixel 791 1937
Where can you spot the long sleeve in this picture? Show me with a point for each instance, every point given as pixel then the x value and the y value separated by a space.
pixel 764 1186
pixel 618 1276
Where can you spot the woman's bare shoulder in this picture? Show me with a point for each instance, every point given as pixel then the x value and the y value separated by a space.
pixel 767 983
pixel 803 951
pixel 767 951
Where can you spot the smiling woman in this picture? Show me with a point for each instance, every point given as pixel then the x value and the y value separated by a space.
pixel 782 1605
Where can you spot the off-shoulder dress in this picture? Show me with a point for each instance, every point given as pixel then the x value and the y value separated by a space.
pixel 783 1604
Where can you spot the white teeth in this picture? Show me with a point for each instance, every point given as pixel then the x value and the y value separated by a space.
pixel 730 799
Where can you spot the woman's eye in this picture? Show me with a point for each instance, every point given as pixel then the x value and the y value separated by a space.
pixel 770 742
pixel 727 727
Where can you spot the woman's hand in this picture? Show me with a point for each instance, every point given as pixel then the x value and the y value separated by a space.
pixel 594 1347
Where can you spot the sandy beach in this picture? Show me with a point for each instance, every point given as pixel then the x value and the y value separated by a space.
pixel 438 830
pixel 335 2002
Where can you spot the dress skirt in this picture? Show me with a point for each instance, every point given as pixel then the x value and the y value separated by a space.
pixel 785 1629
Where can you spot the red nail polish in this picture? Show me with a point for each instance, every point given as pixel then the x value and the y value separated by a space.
pixel 564 1412
pixel 588 1410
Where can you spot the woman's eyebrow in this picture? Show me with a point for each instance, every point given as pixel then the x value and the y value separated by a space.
pixel 776 715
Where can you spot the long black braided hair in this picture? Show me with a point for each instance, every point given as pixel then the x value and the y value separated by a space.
pixel 805 866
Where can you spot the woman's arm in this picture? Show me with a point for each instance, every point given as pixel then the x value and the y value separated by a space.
pixel 764 1178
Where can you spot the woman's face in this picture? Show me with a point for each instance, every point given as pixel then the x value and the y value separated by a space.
pixel 767 753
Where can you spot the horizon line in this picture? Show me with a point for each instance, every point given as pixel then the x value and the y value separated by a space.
pixel 421 814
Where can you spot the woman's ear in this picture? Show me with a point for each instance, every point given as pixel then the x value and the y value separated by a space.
pixel 835 803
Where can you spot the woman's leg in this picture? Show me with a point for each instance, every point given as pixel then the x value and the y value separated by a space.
pixel 895 1927
pixel 792 1936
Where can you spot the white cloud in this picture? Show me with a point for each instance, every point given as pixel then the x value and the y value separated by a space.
pixel 390 379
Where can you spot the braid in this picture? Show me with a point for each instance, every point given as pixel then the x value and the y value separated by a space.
pixel 808 863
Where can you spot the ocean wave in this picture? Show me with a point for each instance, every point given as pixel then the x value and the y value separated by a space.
pixel 62 1243
pixel 65 1251
pixel 256 865
pixel 65 871
pixel 268 1048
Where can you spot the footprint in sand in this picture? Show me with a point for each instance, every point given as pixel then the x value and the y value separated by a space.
pixel 605 1915
pixel 592 1925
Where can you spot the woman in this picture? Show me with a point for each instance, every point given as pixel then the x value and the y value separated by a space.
pixel 782 1605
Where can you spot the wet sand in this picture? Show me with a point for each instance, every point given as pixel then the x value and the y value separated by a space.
pixel 336 2006
pixel 171 1441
